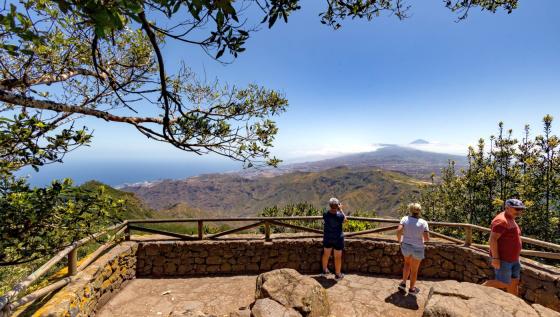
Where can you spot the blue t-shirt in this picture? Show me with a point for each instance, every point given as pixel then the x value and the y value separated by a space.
pixel 333 225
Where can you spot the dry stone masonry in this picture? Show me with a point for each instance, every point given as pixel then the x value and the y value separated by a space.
pixel 163 259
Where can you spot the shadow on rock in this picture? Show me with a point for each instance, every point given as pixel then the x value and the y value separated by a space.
pixel 402 300
pixel 325 282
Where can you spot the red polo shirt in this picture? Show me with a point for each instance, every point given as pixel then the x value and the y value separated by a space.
pixel 509 243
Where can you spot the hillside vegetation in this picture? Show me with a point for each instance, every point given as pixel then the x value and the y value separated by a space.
pixel 234 195
pixel 134 208
pixel 498 169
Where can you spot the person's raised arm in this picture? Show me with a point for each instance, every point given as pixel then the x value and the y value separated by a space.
pixel 342 212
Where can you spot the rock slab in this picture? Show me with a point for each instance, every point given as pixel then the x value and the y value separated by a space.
pixel 456 299
pixel 293 291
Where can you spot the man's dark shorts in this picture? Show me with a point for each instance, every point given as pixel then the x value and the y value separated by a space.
pixel 336 243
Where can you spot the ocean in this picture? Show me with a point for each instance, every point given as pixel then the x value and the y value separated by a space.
pixel 115 173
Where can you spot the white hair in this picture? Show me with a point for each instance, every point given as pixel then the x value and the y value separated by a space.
pixel 333 201
pixel 414 208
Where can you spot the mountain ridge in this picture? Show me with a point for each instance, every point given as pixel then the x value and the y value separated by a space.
pixel 414 162
pixel 359 189
pixel 380 180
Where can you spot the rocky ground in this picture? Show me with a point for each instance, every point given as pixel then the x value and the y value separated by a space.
pixel 356 295
pixel 286 293
pixel 161 297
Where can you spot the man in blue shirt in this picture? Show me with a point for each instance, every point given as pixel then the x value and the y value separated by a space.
pixel 333 237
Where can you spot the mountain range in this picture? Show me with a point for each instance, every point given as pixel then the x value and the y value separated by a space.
pixel 413 162
pixel 380 180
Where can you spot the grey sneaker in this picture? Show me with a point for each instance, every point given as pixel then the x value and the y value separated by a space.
pixel 338 277
pixel 325 273
pixel 402 287
pixel 414 291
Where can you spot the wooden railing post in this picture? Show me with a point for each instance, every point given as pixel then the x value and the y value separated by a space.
pixel 73 262
pixel 127 233
pixel 468 235
pixel 267 231
pixel 200 230
pixel 4 306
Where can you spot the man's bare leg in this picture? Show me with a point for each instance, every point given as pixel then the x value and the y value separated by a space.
pixel 414 265
pixel 496 284
pixel 337 261
pixel 406 269
pixel 513 287
pixel 325 259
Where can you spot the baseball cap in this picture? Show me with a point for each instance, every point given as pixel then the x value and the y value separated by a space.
pixel 333 201
pixel 515 203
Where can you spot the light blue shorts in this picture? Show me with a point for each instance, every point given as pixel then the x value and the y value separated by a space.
pixel 409 249
pixel 507 271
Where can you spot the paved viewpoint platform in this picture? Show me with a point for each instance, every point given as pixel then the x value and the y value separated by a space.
pixel 355 295
pixel 167 278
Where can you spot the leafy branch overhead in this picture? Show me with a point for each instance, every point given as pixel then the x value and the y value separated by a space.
pixel 103 59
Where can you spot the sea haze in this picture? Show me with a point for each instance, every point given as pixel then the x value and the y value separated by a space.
pixel 115 173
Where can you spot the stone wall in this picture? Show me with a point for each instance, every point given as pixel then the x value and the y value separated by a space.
pixel 95 285
pixel 539 283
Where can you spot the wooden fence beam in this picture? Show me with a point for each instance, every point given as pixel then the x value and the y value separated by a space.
pixel 295 227
pixel 225 233
pixel 540 254
pixel 163 232
pixel 40 293
pixel 448 238
pixel 376 230
pixel 540 243
pixel 237 219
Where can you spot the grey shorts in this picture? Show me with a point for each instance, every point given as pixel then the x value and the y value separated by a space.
pixel 409 249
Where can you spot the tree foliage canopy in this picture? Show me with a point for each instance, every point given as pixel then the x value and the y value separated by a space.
pixel 103 58
pixel 503 168
pixel 62 60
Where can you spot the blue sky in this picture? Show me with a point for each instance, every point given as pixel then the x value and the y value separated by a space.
pixel 384 81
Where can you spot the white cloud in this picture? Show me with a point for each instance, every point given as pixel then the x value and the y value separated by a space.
pixel 331 150
pixel 448 148
pixel 325 151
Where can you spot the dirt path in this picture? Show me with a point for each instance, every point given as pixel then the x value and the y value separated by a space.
pixel 356 295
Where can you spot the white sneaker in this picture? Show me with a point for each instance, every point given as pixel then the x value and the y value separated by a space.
pixel 338 277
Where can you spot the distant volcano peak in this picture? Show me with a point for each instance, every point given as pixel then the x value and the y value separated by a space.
pixel 420 141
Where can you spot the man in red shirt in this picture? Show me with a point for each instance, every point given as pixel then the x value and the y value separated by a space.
pixel 505 247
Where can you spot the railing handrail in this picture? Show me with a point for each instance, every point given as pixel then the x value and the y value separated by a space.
pixel 466 226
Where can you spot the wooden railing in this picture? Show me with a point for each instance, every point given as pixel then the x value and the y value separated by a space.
pixel 9 302
pixel 268 222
